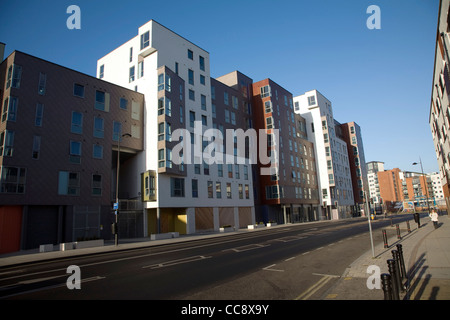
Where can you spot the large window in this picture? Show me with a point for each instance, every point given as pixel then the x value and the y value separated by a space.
pixel 14 76
pixel 164 82
pixel 177 187
pixel 69 183
pixel 265 91
pixel 272 192
pixel 164 106
pixel 75 152
pixel 12 180
pixel 39 115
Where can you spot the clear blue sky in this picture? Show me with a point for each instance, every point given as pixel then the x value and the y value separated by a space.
pixel 380 79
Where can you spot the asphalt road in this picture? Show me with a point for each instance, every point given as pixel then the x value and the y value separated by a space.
pixel 297 261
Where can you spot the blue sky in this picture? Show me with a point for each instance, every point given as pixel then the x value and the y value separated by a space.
pixel 380 79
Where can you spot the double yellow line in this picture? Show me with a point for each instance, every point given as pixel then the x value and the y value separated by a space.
pixel 315 287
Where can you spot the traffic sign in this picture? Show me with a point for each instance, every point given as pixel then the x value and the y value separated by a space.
pixel 116 206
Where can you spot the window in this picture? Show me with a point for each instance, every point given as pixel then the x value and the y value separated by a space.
pixel 225 98
pixel 39 115
pixel 190 54
pixel 235 102
pixel 99 130
pixel 164 106
pixel 101 71
pixel 269 122
pixel 36 147
pixel 213 109
pixel 140 69
pixel 203 102
pixel 5 109
pixel 238 176
pixel 42 83
pixel 220 169
pixel 268 106
pixel 168 132
pixel 7 143
pixel 191 76
pixel 131 54
pixel 191 118
pixel 245 172
pixel 210 189
pixel 145 40
pixel 75 152
pixel 272 192
pixel 161 158
pixel 149 186
pixel 161 131
pixel 117 130
pixel 97 151
pixel 311 100
pixel 69 183
pixel 202 63
pixel 265 91
pixel 202 80
pixel 228 190
pixel 100 100
pixel 204 120
pixel 177 187
pixel 96 185
pixel 14 76
pixel 12 180
pixel 227 116
pixel 131 74
pixel 123 103
pixel 218 190
pixel 230 170
pixel 194 188
pixel 191 95
pixel 247 192
pixel 164 82
pixel 77 122
pixel 10 109
pixel 78 90
pixel 233 118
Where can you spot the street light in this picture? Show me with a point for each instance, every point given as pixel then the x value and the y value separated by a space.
pixel 116 233
pixel 426 184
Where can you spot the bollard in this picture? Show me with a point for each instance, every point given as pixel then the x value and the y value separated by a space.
pixel 387 286
pixel 398 277
pixel 386 245
pixel 407 225
pixel 392 271
pixel 402 261
pixel 398 232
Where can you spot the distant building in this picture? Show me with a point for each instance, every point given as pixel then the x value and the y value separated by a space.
pixel 335 181
pixel 373 167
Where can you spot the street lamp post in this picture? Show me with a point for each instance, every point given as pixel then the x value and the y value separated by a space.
pixel 116 230
pixel 426 186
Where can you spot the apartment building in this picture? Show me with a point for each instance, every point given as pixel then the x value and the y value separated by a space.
pixel 59 139
pixel 439 116
pixel 174 75
pixel 336 191
pixel 351 132
pixel 292 192
pixel 373 167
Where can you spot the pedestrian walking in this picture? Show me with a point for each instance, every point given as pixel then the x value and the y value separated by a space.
pixel 434 217
pixel 417 219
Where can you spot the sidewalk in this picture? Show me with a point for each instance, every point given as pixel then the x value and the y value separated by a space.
pixel 426 253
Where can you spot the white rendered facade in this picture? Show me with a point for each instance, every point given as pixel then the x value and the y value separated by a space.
pixel 331 154
pixel 174 76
